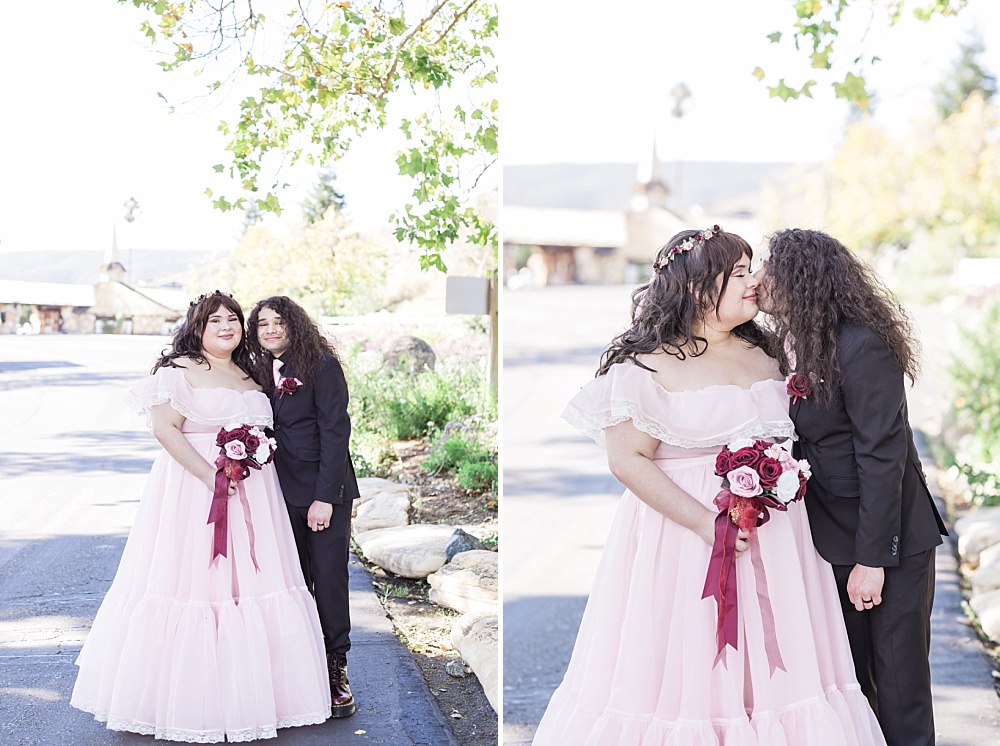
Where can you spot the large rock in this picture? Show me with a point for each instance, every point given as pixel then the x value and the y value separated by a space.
pixel 385 510
pixel 411 551
pixel 987 608
pixel 987 575
pixel 410 354
pixel 976 532
pixel 462 541
pixel 475 637
pixel 467 583
pixel 372 487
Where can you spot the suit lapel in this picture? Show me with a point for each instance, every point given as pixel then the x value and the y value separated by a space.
pixel 287 371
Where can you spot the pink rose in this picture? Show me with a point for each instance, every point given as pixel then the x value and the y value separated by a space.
pixel 744 482
pixel 769 470
pixel 236 450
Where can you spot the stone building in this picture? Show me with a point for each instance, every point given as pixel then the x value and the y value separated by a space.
pixel 109 306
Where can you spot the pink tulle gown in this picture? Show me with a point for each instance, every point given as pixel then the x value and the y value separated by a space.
pixel 642 670
pixel 190 650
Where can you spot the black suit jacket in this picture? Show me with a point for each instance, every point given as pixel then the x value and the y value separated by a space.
pixel 313 431
pixel 868 500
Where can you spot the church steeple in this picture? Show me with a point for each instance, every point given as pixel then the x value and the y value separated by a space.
pixel 112 270
pixel 650 187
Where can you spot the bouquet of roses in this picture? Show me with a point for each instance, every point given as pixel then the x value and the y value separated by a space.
pixel 756 476
pixel 241 449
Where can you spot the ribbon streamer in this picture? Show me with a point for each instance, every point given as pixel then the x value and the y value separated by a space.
pixel 720 582
pixel 219 511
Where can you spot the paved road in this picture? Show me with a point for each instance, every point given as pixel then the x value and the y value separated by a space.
pixel 559 499
pixel 73 461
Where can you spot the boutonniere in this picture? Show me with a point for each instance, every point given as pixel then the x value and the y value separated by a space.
pixel 798 387
pixel 288 386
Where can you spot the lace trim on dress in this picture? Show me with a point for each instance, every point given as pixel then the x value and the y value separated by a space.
pixel 233 736
pixel 188 414
pixel 621 410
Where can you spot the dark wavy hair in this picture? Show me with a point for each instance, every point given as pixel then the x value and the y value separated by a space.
pixel 306 343
pixel 679 295
pixel 815 285
pixel 186 341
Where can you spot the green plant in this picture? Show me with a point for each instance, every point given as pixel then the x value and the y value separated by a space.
pixel 464 449
pixel 370 453
pixel 976 376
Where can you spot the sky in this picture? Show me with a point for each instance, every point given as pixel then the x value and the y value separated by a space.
pixel 82 129
pixel 585 82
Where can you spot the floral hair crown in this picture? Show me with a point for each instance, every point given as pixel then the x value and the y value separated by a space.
pixel 685 244
pixel 205 296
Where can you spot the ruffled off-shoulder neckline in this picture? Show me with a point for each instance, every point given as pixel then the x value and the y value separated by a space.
pixel 695 418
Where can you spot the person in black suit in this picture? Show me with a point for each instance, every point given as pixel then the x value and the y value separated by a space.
pixel 850 344
pixel 295 362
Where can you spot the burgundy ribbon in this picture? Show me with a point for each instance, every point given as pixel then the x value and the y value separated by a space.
pixel 219 511
pixel 720 582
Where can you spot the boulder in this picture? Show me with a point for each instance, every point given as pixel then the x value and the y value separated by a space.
pixel 410 354
pixel 385 510
pixel 462 542
pixel 372 487
pixel 411 551
pixel 468 583
pixel 976 532
pixel 987 608
pixel 475 637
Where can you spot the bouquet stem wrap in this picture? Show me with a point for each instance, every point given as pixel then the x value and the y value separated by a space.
pixel 229 471
pixel 720 583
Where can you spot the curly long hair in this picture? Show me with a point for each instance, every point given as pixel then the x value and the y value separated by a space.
pixel 186 341
pixel 681 293
pixel 815 285
pixel 306 343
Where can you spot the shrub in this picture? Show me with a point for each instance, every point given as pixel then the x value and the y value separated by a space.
pixel 370 454
pixel 976 376
pixel 465 448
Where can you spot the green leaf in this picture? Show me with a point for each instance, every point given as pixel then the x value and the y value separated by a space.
pixel 853 89
pixel 758 73
pixel 775 37
pixel 397 26
pixel 218 168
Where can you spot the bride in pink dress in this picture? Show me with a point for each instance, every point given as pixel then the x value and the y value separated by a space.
pixel 691 375
pixel 187 646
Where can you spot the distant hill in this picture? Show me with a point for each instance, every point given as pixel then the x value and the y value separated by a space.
pixel 608 186
pixel 81 267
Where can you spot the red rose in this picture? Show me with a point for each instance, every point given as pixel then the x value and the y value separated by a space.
pixel 748 456
pixel 769 470
pixel 802 488
pixel 723 462
pixel 798 387
pixel 252 442
pixel 237 433
pixel 221 439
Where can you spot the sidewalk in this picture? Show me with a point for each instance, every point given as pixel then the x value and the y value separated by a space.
pixel 73 461
pixel 560 496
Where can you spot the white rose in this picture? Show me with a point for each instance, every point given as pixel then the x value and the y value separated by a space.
pixel 262 452
pixel 787 486
pixel 805 468
pixel 741 443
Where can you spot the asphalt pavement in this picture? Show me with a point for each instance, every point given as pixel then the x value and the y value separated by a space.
pixel 558 500
pixel 73 462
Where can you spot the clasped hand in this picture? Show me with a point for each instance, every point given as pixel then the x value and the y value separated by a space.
pixel 864 587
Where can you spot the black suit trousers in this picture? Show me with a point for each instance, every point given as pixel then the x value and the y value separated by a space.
pixel 891 644
pixel 324 557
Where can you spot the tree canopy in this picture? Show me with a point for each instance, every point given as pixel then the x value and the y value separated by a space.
pixel 815 32
pixel 328 72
